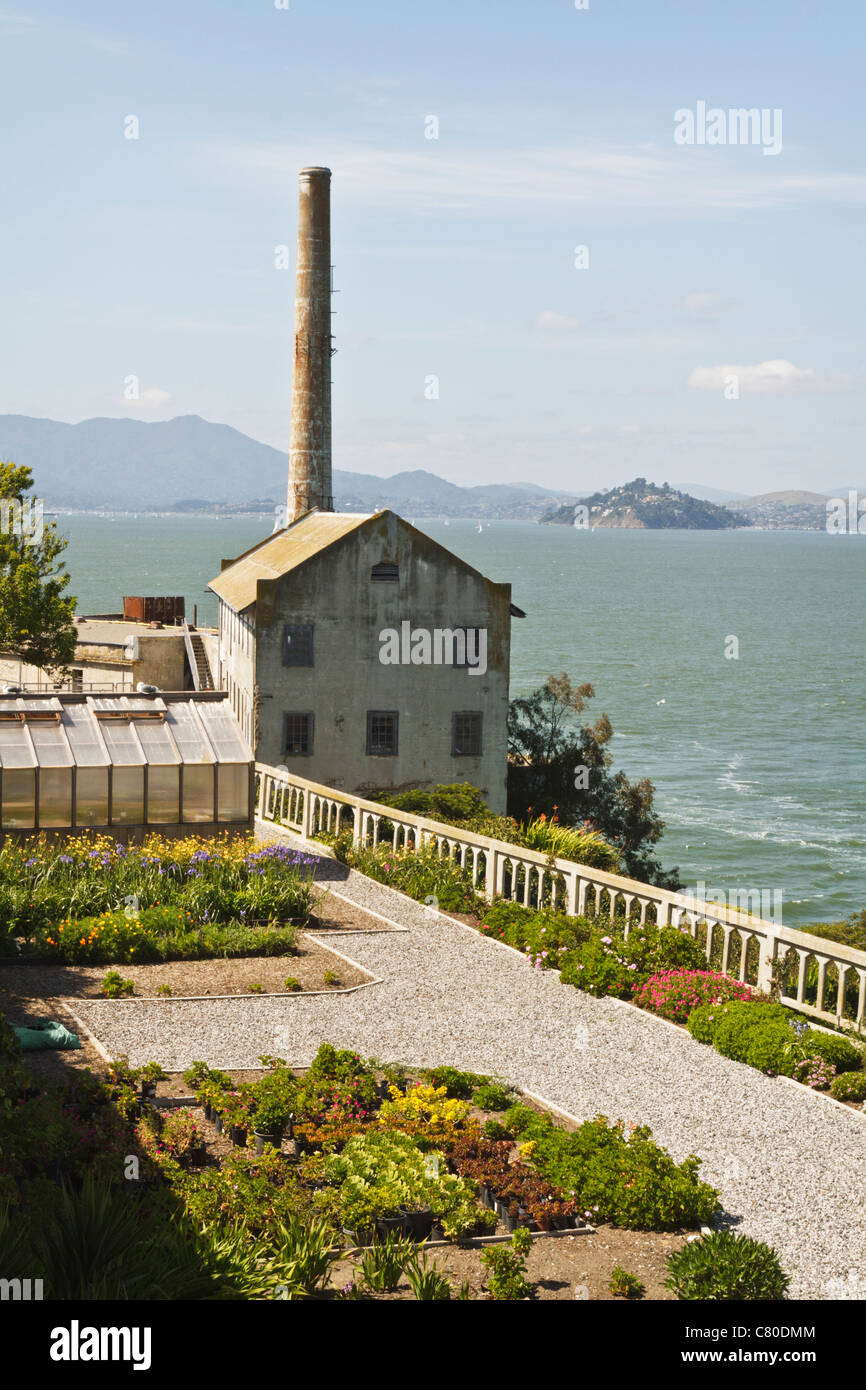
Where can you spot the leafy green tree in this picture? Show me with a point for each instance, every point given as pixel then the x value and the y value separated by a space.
pixel 561 767
pixel 36 616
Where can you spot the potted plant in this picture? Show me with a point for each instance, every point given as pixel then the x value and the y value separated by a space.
pixel 269 1119
pixel 419 1221
pixel 236 1110
pixel 359 1213
pixel 148 1077
pixel 392 1217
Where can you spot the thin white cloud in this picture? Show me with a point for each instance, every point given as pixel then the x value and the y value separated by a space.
pixel 550 322
pixel 702 305
pixel 437 177
pixel 774 378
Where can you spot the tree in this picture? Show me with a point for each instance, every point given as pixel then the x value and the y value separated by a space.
pixel 562 768
pixel 36 618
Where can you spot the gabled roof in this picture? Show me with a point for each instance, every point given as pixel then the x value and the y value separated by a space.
pixel 281 553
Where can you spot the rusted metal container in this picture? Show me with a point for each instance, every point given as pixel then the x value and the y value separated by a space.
pixel 153 610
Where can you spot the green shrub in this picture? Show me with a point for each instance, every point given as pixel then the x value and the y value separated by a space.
pixel 506 1268
pixel 454 802
pixel 254 1192
pixel 421 874
pixel 492 1129
pixel 840 1052
pixel 196 1074
pixel 759 1035
pixel 492 1096
pixel 851 1085
pixel 619 1176
pixel 851 932
pixel 729 1267
pixel 625 1285
pixel 597 968
pixel 462 805
pixel 539 933
pixel 459 1085
pixel 703 1021
pixel 114 986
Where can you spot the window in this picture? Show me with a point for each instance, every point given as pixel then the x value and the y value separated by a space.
pixel 197 792
pixel 388 573
pixel 298 735
pixel 77 680
pixel 297 645
pixel 466 734
pixel 382 733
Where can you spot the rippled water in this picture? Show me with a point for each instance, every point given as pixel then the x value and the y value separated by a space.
pixel 759 762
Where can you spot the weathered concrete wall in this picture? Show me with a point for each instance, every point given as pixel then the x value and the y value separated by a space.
pixel 161 661
pixel 348 611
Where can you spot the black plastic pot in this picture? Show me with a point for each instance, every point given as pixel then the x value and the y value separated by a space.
pixel 391 1225
pixel 238 1135
pixel 420 1223
pixel 218 1123
pixel 268 1136
pixel 362 1236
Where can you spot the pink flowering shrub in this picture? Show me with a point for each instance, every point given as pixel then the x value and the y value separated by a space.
pixel 814 1072
pixel 618 965
pixel 673 994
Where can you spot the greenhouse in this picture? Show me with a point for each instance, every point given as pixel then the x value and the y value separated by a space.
pixel 123 762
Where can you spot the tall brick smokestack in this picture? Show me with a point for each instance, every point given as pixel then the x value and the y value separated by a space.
pixel 310 439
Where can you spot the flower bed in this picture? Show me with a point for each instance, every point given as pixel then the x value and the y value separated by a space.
pixel 91 899
pixel 215 879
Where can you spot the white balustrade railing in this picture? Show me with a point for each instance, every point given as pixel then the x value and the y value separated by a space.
pixel 749 949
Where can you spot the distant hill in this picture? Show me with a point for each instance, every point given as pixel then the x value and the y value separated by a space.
pixel 786 511
pixel 707 494
pixel 190 464
pixel 640 505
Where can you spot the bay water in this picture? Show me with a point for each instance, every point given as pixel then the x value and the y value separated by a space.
pixel 731 664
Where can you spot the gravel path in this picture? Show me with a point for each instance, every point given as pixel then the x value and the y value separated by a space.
pixel 791 1167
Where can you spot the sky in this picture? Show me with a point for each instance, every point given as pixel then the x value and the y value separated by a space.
pixel 710 332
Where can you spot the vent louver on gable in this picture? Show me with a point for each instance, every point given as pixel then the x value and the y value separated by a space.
pixel 385 572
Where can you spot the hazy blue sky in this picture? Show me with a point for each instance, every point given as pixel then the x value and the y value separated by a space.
pixel 454 256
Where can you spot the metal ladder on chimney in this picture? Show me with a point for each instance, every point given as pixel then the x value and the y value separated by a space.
pixel 199 665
